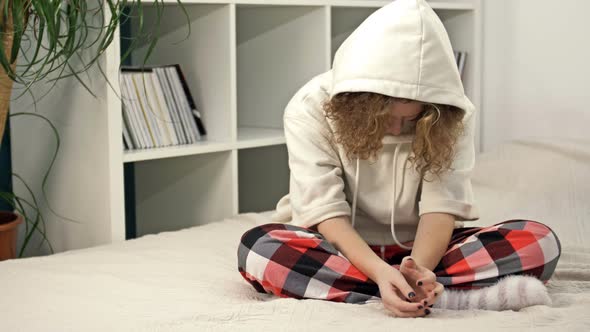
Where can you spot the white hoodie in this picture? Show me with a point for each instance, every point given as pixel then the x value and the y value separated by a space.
pixel 401 50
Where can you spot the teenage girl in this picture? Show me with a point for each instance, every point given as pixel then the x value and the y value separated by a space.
pixel 381 150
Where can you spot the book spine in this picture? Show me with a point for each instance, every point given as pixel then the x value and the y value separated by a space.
pixel 191 102
pixel 145 93
pixel 144 111
pixel 126 135
pixel 167 119
pixel 462 59
pixel 189 119
pixel 136 121
pixel 162 77
pixel 127 116
pixel 156 110
pixel 178 101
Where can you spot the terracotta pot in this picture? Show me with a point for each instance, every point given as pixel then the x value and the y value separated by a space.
pixel 9 222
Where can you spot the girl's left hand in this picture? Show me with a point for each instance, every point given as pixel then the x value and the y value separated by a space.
pixel 422 280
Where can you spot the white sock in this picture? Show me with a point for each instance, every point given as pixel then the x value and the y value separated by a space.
pixel 512 292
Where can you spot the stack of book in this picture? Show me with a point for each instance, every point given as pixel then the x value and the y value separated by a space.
pixel 158 108
pixel 460 59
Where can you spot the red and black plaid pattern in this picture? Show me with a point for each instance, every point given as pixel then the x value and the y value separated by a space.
pixel 296 262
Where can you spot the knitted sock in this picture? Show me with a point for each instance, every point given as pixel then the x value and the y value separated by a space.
pixel 512 292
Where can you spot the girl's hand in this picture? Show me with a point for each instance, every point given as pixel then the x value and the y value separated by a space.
pixel 396 293
pixel 427 289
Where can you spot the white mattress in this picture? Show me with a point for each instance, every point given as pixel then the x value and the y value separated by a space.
pixel 188 280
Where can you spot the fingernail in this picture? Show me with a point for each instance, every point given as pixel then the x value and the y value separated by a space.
pixel 420 307
pixel 419 283
pixel 410 258
pixel 425 302
pixel 427 311
pixel 411 295
pixel 430 306
pixel 435 293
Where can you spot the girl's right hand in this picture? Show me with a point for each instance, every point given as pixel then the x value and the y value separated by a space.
pixel 428 290
pixel 396 293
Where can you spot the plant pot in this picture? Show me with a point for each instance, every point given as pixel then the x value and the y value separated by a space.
pixel 9 222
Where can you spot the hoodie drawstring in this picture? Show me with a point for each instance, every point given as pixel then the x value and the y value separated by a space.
pixel 356 189
pixel 394 185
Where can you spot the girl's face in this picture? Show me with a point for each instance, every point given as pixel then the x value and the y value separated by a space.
pixel 403 116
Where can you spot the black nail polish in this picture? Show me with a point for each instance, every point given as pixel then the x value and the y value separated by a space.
pixel 420 307
pixel 419 283
pixel 435 293
pixel 427 311
pixel 430 306
pixel 411 295
pixel 425 302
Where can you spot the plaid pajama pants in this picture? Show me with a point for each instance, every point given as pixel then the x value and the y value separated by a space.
pixel 296 262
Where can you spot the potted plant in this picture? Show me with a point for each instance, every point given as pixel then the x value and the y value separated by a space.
pixel 51 33
pixel 8 230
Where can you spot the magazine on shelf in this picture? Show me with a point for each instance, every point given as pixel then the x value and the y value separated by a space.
pixel 129 133
pixel 158 108
pixel 146 110
pixel 191 102
pixel 177 97
pixel 129 107
pixel 163 110
pixel 171 104
pixel 460 58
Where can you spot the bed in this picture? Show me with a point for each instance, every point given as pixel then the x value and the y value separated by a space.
pixel 188 280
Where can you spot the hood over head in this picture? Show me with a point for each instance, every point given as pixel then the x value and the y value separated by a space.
pixel 401 50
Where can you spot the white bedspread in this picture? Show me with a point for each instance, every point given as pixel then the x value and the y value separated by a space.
pixel 188 280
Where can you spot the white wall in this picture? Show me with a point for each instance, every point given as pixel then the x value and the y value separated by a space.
pixel 536 69
pixel 77 187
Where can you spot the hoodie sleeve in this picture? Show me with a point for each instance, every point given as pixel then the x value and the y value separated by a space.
pixel 453 193
pixel 316 185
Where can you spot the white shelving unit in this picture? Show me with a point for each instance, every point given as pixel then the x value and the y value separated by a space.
pixel 243 61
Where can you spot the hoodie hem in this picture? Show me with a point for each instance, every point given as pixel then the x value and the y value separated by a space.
pixel 462 211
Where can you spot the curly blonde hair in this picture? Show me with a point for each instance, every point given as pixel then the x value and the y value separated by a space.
pixel 361 120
